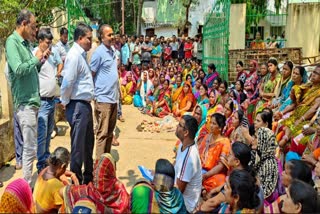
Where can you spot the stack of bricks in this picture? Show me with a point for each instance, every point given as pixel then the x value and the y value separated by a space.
pixel 245 55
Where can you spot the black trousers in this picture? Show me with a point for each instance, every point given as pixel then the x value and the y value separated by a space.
pixel 79 116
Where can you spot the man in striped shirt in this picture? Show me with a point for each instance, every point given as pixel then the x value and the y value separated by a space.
pixel 188 165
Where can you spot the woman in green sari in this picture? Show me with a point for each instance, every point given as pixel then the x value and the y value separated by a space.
pixel 269 88
pixel 306 101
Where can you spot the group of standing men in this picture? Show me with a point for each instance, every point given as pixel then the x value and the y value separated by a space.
pixel 32 76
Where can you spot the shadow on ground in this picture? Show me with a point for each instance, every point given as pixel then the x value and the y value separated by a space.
pixel 62 129
pixel 132 178
pixel 7 172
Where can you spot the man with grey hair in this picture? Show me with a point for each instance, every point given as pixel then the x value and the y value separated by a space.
pixel 23 68
pixel 76 95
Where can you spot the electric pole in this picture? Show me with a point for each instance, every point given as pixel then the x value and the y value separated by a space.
pixel 122 25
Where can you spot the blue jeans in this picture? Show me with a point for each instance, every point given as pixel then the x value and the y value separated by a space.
pixel 18 140
pixel 45 128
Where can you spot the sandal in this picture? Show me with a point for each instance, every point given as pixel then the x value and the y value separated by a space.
pixel 121 119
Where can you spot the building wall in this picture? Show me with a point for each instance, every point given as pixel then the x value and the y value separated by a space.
pixel 166 31
pixel 237 26
pixel 303 28
pixel 6 120
pixel 197 15
pixel 62 21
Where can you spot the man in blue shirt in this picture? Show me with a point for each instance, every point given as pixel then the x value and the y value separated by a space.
pixel 125 52
pixel 104 69
pixel 76 94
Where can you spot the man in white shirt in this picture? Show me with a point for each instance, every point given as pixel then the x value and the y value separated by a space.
pixel 63 46
pixel 188 165
pixel 47 82
pixel 77 91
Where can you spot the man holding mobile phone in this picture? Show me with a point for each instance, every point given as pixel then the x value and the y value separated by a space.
pixel 23 68
pixel 47 81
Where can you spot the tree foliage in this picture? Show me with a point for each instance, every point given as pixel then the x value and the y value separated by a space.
pixel 9 10
pixel 187 4
pixel 109 12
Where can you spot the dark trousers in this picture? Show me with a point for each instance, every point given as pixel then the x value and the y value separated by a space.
pixel 18 140
pixel 79 116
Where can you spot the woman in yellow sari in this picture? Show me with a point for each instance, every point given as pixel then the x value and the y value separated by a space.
pixel 184 100
pixel 306 100
pixel 214 150
pixel 128 88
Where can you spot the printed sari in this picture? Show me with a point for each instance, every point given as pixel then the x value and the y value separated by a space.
pixel 216 108
pixel 265 163
pixel 17 198
pixel 209 79
pixel 305 96
pixel 226 208
pixel 106 191
pixel 128 89
pixel 165 109
pixel 269 86
pixel 212 153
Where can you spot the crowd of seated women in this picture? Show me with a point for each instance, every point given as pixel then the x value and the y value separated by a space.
pixel 258 145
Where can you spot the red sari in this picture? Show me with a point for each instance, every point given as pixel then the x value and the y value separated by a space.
pixel 107 193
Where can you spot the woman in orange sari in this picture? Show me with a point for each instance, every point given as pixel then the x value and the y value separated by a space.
pixel 184 100
pixel 214 150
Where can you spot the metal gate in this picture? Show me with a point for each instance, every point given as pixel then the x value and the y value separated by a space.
pixel 216 38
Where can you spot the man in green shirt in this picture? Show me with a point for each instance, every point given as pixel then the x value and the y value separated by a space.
pixel 23 68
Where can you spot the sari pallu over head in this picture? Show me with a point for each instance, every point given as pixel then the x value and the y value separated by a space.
pixel 17 198
pixel 204 112
pixel 215 108
pixel 183 97
pixel 169 198
pixel 264 161
pixel 145 88
pixel 130 86
pixel 106 191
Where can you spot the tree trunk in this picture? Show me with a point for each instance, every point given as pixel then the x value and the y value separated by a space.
pixel 133 7
pixel 139 17
pixel 187 16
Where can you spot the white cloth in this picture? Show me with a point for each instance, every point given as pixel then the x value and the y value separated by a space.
pixel 144 94
pixel 63 49
pixel 188 169
pixel 47 74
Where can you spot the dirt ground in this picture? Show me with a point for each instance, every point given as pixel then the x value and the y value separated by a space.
pixel 136 148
